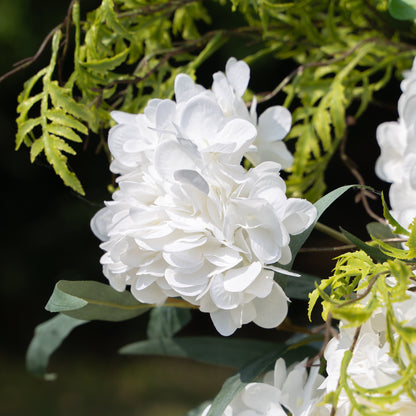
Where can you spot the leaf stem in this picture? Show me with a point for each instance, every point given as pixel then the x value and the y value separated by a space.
pixel 331 232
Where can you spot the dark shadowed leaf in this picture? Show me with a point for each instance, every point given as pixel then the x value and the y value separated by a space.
pixel 47 338
pixel 166 321
pixel 372 251
pixel 297 287
pixel 232 352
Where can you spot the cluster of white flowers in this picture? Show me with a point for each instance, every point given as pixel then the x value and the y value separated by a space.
pixel 397 162
pixel 294 390
pixel 188 220
pixel 371 365
pixel 281 390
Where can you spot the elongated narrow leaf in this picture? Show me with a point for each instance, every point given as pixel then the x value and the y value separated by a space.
pixel 297 287
pixel 402 9
pixel 166 321
pixel 199 410
pixel 47 338
pixel 231 352
pixel 382 232
pixel 372 251
pixel 397 228
pixel 297 241
pixel 89 300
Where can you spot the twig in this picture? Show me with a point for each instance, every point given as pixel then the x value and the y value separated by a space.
pixel 331 232
pixel 67 24
pixel 330 332
pixel 268 95
pixel 363 194
pixel 18 66
pixel 347 246
pixel 352 347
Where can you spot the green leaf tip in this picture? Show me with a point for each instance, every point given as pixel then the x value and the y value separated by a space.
pixel 89 300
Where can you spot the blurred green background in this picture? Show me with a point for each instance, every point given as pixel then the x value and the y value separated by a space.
pixel 47 237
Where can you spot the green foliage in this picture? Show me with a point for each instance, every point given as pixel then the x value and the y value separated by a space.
pixel 89 300
pixel 126 53
pixel 166 321
pixel 231 352
pixel 343 60
pixel 48 337
pixel 358 287
pixel 249 372
pixel 402 9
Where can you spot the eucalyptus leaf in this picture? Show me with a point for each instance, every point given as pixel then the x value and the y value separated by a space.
pixel 166 321
pixel 47 338
pixel 197 411
pixel 89 300
pixel 231 352
pixel 372 251
pixel 297 287
pixel 297 241
pixel 381 232
pixel 402 9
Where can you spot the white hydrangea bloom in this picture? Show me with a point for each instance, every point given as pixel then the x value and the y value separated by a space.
pixel 227 89
pixel 371 365
pixel 281 390
pixel 397 162
pixel 188 221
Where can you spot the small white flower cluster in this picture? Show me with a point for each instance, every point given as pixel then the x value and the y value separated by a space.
pixel 371 365
pixel 188 220
pixel 281 390
pixel 294 390
pixel 397 162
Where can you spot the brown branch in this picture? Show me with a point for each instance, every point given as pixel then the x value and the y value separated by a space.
pixel 330 332
pixel 18 66
pixel 363 194
pixel 268 95
pixel 67 24
pixel 347 246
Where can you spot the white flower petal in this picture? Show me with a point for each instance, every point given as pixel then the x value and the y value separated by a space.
pixel 170 156
pixel 260 397
pixel 238 75
pixel 151 294
pixel 271 310
pixel 223 322
pixel 101 222
pixel 193 178
pixel 299 215
pixel 274 123
pixel 237 280
pixel 199 120
pixel 221 297
pixel 123 118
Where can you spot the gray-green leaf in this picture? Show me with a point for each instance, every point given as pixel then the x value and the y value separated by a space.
pixel 48 337
pixel 89 300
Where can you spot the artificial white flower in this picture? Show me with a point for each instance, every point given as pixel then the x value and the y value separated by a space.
pixel 397 141
pixel 188 221
pixel 281 390
pixel 371 365
pixel 227 90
